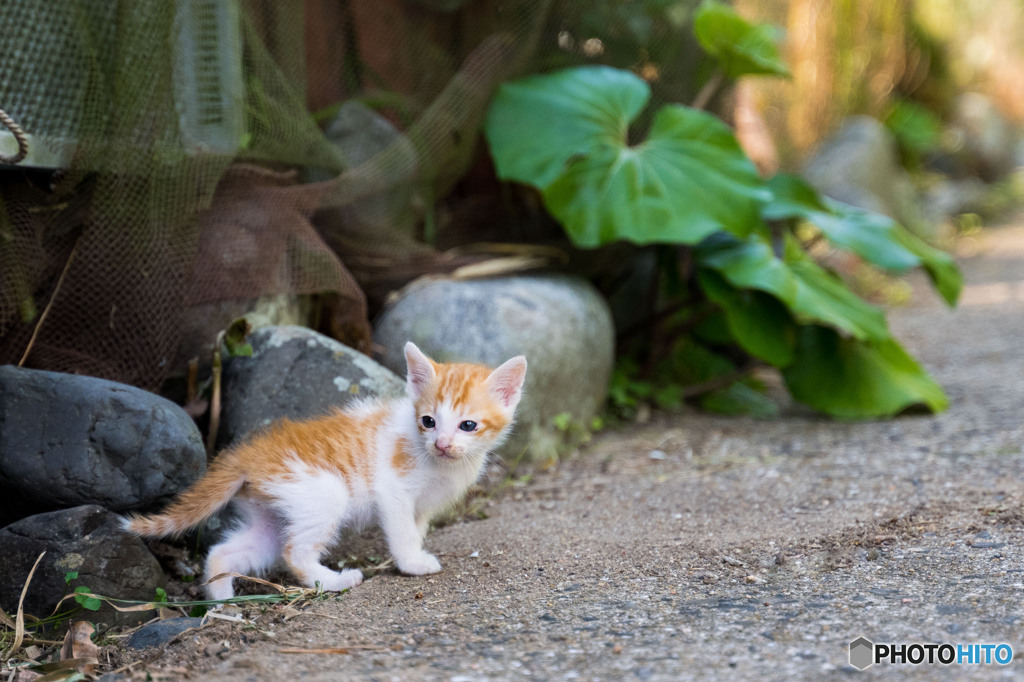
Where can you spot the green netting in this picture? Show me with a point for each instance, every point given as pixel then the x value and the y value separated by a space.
pixel 176 161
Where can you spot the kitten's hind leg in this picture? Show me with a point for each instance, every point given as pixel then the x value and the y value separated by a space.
pixel 311 528
pixel 252 547
pixel 302 551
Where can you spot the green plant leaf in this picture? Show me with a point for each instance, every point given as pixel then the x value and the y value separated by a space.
pixel 85 601
pixel 739 398
pixel 693 363
pixel 234 338
pixel 940 266
pixel 811 293
pixel 874 237
pixel 917 129
pixel 566 134
pixel 759 322
pixel 536 125
pixel 854 379
pixel 669 397
pixel 562 421
pixel 740 47
pixel 822 297
pixel 748 264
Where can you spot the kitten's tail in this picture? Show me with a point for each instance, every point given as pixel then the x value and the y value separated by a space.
pixel 205 498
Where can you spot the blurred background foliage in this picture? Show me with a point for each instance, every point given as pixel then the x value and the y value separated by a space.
pixel 903 62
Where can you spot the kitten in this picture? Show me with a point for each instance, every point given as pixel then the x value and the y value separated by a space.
pixel 396 461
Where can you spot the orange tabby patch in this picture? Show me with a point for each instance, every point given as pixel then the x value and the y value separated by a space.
pixel 402 462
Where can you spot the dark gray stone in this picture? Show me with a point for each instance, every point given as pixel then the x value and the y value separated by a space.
pixel 561 324
pixel 161 632
pixel 295 372
pixel 87 540
pixel 67 440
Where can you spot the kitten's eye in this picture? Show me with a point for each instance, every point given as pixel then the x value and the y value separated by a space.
pixel 467 425
pixel 428 421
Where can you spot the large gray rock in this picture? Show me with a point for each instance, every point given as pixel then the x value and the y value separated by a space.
pixel 295 372
pixel 561 324
pixel 859 165
pixel 86 540
pixel 67 440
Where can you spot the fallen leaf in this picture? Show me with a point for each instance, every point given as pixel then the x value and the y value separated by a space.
pixel 19 618
pixel 78 646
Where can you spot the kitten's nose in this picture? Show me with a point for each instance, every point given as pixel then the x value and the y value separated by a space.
pixel 443 445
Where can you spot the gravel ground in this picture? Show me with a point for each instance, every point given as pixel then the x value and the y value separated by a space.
pixel 700 547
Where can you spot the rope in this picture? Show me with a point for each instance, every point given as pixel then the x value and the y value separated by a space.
pixel 19 135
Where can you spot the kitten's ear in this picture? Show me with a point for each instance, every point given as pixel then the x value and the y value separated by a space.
pixel 506 382
pixel 420 372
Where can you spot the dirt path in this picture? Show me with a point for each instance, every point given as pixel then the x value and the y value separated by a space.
pixel 704 547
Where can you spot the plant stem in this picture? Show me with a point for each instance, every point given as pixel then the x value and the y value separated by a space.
pixel 211 437
pixel 718 382
pixel 709 89
pixel 49 305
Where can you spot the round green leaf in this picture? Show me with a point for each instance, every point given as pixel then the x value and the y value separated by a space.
pixel 740 47
pixel 566 134
pixel 537 124
pixel 854 379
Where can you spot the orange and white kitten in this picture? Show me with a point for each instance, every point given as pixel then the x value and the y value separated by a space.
pixel 396 461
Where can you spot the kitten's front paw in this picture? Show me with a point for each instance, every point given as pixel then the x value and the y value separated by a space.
pixel 422 564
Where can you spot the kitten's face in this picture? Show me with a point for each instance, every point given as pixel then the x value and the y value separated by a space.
pixel 462 410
